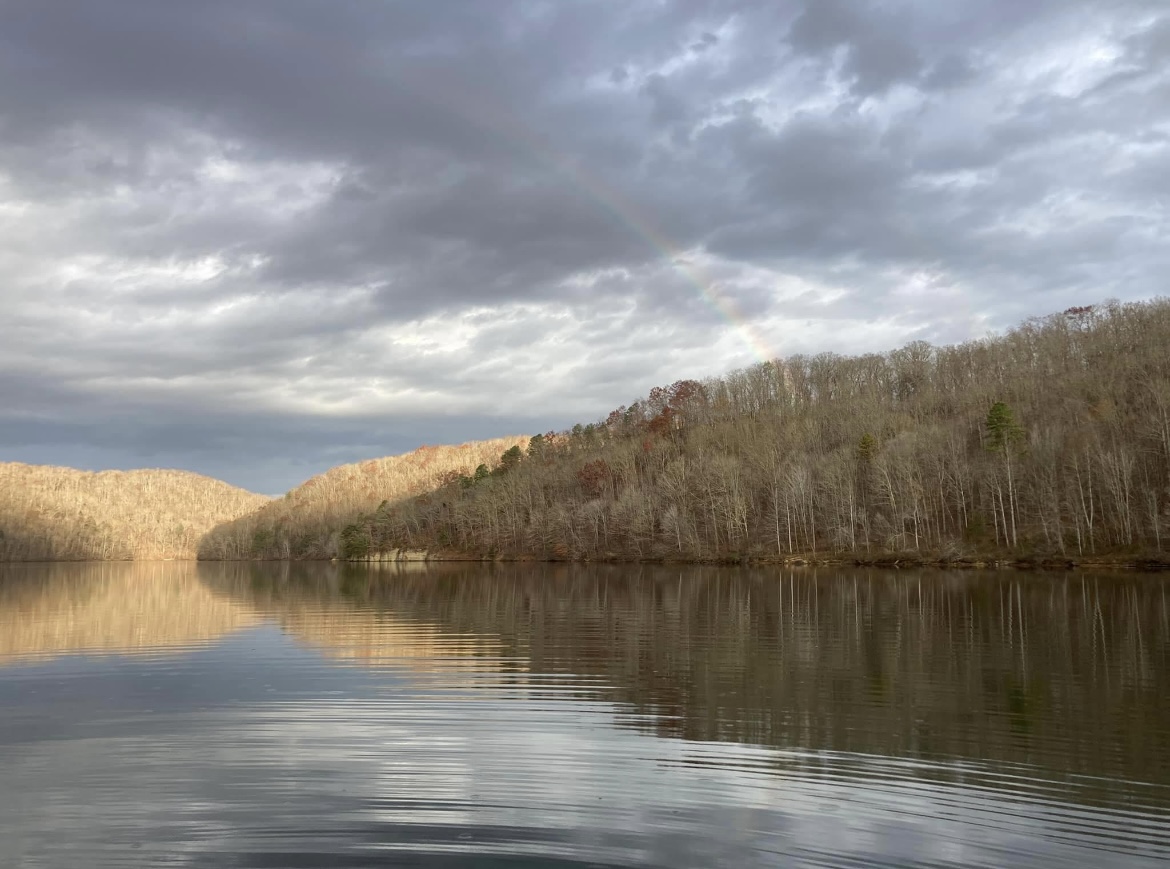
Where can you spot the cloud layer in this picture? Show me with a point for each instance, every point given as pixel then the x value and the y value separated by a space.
pixel 258 238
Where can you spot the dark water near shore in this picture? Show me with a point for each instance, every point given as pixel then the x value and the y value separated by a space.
pixel 321 715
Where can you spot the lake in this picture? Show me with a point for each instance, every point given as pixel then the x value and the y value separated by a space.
pixel 303 715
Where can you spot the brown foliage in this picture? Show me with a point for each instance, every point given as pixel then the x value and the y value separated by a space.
pixel 662 424
pixel 453 476
pixel 593 477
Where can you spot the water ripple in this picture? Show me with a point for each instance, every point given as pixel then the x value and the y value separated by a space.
pixel 249 715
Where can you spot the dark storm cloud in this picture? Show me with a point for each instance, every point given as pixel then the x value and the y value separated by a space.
pixel 880 47
pixel 263 450
pixel 321 219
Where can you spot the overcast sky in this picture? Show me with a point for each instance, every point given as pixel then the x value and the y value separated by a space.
pixel 257 239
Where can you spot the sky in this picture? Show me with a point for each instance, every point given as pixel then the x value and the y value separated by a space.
pixel 258 239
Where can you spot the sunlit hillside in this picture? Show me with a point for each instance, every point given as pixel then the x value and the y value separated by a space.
pixel 50 513
pixel 305 523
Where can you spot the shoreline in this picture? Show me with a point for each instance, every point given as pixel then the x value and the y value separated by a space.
pixel 1143 564
pixel 891 561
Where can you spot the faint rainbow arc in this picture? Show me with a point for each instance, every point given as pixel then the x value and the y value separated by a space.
pixel 509 128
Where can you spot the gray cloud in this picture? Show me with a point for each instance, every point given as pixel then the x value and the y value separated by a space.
pixel 254 237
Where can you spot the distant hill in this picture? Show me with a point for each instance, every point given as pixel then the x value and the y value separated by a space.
pixel 62 514
pixel 306 523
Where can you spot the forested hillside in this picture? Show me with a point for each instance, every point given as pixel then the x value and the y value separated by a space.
pixel 51 514
pixel 306 523
pixel 1052 439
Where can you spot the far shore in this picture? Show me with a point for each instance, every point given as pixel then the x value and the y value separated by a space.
pixel 889 561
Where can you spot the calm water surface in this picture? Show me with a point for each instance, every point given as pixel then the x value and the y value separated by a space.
pixel 319 715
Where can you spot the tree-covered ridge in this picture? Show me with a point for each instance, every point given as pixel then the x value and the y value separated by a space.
pixel 62 514
pixel 307 522
pixel 1052 439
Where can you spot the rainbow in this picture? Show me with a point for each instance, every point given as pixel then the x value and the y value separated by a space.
pixel 505 126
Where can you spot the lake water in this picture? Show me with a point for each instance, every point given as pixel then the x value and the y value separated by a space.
pixel 463 715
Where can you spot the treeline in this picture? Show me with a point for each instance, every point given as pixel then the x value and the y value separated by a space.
pixel 307 522
pixel 1050 440
pixel 61 514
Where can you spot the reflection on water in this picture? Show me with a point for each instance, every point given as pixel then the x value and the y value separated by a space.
pixel 93 608
pixel 311 715
pixel 329 611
